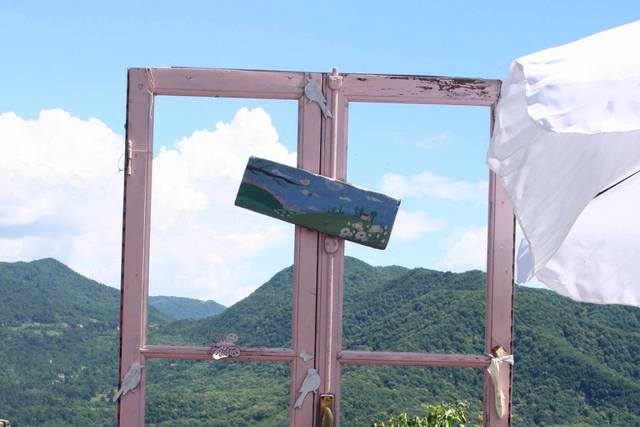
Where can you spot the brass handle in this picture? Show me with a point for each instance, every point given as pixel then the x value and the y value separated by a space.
pixel 326 413
pixel 327 418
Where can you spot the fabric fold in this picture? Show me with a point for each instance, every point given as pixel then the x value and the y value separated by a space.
pixel 567 127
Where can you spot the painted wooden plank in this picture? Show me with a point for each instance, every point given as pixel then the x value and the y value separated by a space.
pixel 433 360
pixel 326 205
pixel 420 89
pixel 227 83
pixel 258 354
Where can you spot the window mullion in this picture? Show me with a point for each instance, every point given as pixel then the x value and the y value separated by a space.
pixel 331 249
pixel 305 267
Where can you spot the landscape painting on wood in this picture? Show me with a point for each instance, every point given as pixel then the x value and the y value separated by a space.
pixel 323 204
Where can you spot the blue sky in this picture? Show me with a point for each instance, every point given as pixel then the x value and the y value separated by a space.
pixel 73 56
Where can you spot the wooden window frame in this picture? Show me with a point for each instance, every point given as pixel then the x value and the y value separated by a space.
pixel 318 259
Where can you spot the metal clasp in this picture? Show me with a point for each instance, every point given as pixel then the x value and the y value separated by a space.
pixel 327 418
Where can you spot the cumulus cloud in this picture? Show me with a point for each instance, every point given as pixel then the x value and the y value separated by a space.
pixel 428 184
pixel 194 190
pixel 62 197
pixel 412 225
pixel 467 250
pixel 61 193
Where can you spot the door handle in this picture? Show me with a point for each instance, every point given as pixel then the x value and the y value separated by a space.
pixel 327 418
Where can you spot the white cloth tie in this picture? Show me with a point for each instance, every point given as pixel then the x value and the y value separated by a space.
pixel 494 372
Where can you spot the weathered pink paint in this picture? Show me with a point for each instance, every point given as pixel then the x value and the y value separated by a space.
pixel 499 294
pixel 143 84
pixel 499 305
pixel 135 247
pixel 305 266
pixel 431 360
pixel 319 259
pixel 331 253
pixel 257 354
pixel 227 83
pixel 420 89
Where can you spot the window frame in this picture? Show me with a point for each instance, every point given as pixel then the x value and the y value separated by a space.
pixel 318 259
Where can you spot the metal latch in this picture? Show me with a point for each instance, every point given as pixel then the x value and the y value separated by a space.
pixel 326 410
pixel 129 158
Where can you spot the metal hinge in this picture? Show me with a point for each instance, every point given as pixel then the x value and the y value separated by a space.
pixel 129 158
pixel 335 79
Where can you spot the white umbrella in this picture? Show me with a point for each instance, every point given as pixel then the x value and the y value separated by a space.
pixel 566 143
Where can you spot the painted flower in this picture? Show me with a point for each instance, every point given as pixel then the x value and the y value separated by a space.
pixel 357 226
pixel 362 236
pixel 346 232
pixel 376 229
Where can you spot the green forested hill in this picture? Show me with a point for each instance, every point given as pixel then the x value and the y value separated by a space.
pixel 576 364
pixel 185 308
pixel 59 345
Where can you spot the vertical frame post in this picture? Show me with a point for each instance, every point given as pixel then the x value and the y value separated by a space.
pixel 499 296
pixel 135 254
pixel 331 250
pixel 305 266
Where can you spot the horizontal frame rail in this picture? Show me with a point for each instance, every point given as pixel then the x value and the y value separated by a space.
pixel 433 360
pixel 258 354
pixel 226 83
pixel 406 89
pixel 345 357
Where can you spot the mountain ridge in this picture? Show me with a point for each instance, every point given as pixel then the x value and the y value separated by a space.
pixel 571 369
pixel 179 308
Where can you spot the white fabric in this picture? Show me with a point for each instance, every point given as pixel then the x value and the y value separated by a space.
pixel 494 372
pixel 567 127
pixel 589 86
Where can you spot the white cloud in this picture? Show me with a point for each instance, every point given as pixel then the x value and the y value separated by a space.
pixel 428 184
pixel 412 225
pixel 61 192
pixel 194 190
pixel 467 250
pixel 432 141
pixel 62 197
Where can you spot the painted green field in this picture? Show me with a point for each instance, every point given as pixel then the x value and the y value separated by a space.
pixel 352 228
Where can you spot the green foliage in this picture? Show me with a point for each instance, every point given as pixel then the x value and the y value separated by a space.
pixel 440 415
pixel 212 394
pixel 576 364
pixel 185 308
